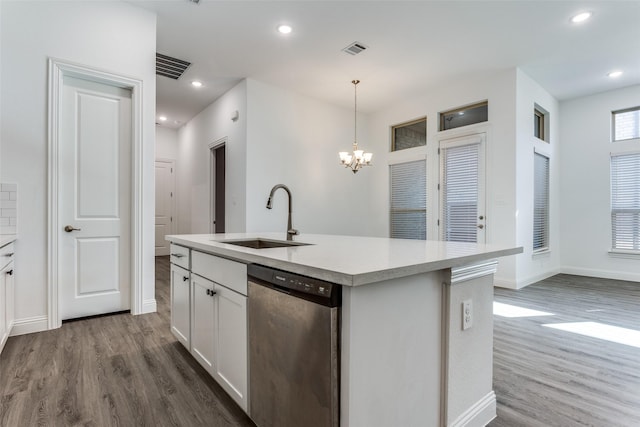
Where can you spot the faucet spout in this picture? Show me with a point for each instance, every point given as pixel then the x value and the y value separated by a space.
pixel 290 230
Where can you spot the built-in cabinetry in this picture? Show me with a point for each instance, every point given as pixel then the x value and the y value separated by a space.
pixel 7 293
pixel 209 315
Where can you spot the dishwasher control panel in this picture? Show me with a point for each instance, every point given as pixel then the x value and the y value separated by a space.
pixel 315 290
pixel 303 284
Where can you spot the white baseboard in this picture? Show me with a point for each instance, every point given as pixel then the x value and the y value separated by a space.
pixel 603 274
pixel 30 325
pixel 149 306
pixel 504 283
pixel 479 415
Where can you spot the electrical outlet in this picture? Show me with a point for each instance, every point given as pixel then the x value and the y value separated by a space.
pixel 467 314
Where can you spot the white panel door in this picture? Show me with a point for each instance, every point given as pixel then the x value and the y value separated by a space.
pixel 165 187
pixel 94 200
pixel 462 189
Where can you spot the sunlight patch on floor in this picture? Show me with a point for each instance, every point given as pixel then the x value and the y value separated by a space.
pixel 507 310
pixel 616 334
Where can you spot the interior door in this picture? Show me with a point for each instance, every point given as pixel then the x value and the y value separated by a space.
pixel 165 188
pixel 94 199
pixel 462 189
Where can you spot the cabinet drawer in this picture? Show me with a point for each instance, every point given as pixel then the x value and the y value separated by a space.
pixel 6 255
pixel 179 256
pixel 225 272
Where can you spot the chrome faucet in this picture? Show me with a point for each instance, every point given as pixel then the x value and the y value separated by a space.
pixel 290 230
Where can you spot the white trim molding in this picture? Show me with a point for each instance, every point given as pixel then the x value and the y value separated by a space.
pixel 479 415
pixel 58 69
pixel 468 272
pixel 149 306
pixel 29 325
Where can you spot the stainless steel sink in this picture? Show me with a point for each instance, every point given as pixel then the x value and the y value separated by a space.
pixel 262 243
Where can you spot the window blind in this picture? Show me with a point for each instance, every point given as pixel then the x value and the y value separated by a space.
pixel 460 193
pixel 540 202
pixel 625 201
pixel 409 200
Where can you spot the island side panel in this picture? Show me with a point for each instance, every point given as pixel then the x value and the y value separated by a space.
pixel 468 360
pixel 392 353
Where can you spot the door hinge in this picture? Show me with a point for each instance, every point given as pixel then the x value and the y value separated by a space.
pixel 172 194
pixel 438 151
pixel 171 170
pixel 438 187
pixel 171 218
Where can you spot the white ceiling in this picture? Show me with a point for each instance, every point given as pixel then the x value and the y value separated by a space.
pixel 413 46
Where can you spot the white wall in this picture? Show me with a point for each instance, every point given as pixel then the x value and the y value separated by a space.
pixel 210 125
pixel 531 268
pixel 166 143
pixel 111 36
pixel 499 90
pixel 295 140
pixel 585 134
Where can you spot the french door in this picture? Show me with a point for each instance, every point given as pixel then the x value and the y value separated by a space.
pixel 462 189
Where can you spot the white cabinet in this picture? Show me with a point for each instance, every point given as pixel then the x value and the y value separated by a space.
pixel 209 316
pixel 181 305
pixel 230 343
pixel 203 321
pixel 7 293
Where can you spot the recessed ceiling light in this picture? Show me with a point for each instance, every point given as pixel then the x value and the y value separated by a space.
pixel 581 17
pixel 196 83
pixel 162 118
pixel 284 29
pixel 614 74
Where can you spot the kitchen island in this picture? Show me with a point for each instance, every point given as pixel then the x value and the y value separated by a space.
pixel 409 354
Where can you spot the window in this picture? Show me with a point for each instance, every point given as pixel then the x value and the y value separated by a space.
pixel 540 123
pixel 625 201
pixel 626 124
pixel 409 135
pixel 409 200
pixel 540 202
pixel 464 116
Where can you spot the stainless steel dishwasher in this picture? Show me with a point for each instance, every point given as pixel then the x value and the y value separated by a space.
pixel 294 335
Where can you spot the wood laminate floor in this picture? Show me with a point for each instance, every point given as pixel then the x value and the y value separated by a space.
pixel 118 370
pixel 545 377
pixel 125 370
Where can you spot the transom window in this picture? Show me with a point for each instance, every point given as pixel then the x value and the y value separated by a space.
pixel 626 124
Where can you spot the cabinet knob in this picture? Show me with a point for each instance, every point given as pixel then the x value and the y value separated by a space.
pixel 10 272
pixel 208 291
pixel 185 278
pixel 212 292
pixel 480 226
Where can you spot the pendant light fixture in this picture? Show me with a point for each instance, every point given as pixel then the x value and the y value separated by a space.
pixel 358 158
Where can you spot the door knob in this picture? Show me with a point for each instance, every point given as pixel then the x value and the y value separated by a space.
pixel 480 226
pixel 69 229
pixel 481 217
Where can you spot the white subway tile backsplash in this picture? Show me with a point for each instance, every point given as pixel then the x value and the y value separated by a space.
pixel 8 208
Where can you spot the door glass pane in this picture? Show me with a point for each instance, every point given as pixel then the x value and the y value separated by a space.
pixel 460 193
pixel 409 200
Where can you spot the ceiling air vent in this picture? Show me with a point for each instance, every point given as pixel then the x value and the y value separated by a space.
pixel 170 67
pixel 354 48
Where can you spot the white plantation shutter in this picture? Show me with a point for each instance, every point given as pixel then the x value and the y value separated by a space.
pixel 409 200
pixel 460 192
pixel 540 202
pixel 625 201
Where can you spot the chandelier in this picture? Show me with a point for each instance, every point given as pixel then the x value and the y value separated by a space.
pixel 358 158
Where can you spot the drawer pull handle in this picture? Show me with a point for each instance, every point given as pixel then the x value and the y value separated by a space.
pixel 178 255
pixel 10 254
pixel 211 292
pixel 10 272
pixel 185 278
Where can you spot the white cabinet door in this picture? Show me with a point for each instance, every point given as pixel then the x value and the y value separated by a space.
pixel 180 305
pixel 231 343
pixel 7 303
pixel 203 319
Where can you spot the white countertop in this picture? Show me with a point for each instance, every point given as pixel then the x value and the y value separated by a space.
pixel 5 239
pixel 348 260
